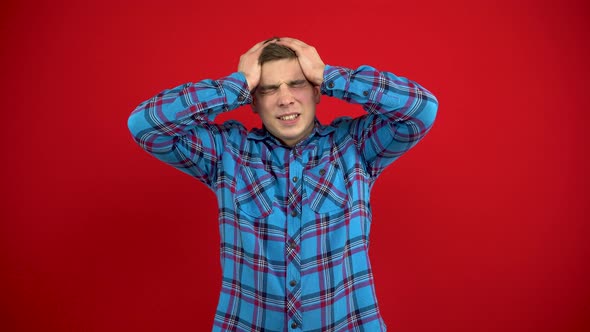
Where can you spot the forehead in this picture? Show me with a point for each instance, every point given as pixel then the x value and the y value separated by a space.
pixel 283 70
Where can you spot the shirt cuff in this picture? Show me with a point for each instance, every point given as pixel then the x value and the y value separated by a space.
pixel 237 90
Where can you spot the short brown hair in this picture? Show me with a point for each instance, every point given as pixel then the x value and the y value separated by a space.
pixel 275 51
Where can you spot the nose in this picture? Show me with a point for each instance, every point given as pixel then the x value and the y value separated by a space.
pixel 285 96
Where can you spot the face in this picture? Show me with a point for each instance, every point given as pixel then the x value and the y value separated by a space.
pixel 286 101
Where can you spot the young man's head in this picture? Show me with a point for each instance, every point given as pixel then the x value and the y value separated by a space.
pixel 284 98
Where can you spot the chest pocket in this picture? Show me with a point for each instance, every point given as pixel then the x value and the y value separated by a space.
pixel 324 188
pixel 255 191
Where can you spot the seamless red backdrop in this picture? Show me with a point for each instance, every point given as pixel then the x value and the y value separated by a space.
pixel 482 227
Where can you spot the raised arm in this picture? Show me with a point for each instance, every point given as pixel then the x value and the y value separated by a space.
pixel 400 112
pixel 176 126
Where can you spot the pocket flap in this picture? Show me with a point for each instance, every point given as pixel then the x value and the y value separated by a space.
pixel 255 191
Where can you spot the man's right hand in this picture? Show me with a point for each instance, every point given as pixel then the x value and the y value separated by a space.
pixel 249 65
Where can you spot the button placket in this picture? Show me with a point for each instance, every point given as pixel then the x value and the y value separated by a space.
pixel 293 273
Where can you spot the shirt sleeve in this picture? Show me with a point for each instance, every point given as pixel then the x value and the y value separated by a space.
pixel 400 112
pixel 176 126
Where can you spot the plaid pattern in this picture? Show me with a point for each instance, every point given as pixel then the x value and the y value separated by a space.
pixel 294 222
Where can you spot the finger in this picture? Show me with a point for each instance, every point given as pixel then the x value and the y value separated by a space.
pixel 273 39
pixel 296 45
pixel 291 41
pixel 259 46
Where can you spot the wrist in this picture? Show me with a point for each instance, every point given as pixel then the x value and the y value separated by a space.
pixel 250 81
pixel 320 76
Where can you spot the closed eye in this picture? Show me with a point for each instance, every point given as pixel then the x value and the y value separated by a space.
pixel 267 90
pixel 297 84
pixel 272 89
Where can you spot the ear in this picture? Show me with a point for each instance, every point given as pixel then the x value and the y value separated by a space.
pixel 254 104
pixel 317 94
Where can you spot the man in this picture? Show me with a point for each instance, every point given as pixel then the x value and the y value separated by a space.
pixel 293 196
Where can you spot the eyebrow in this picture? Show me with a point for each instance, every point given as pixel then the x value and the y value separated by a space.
pixel 276 86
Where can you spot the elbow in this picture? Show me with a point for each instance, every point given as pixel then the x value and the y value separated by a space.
pixel 146 134
pixel 429 111
pixel 423 109
pixel 133 124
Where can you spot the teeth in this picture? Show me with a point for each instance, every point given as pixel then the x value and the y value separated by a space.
pixel 289 117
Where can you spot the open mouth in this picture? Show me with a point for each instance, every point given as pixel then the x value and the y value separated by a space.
pixel 289 117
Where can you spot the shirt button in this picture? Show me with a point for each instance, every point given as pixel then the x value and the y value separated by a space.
pixel 365 93
pixel 293 283
pixel 292 245
pixel 294 325
pixel 293 213
pixel 241 98
pixel 322 172
pixel 295 179
pixel 331 85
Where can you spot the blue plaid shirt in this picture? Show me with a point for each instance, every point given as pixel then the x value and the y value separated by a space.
pixel 294 222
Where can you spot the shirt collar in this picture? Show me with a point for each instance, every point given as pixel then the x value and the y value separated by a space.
pixel 263 134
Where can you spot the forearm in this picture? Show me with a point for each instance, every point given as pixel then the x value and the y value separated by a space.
pixel 156 123
pixel 400 112
pixel 175 126
pixel 381 93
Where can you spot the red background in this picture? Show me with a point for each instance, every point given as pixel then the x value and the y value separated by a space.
pixel 482 227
